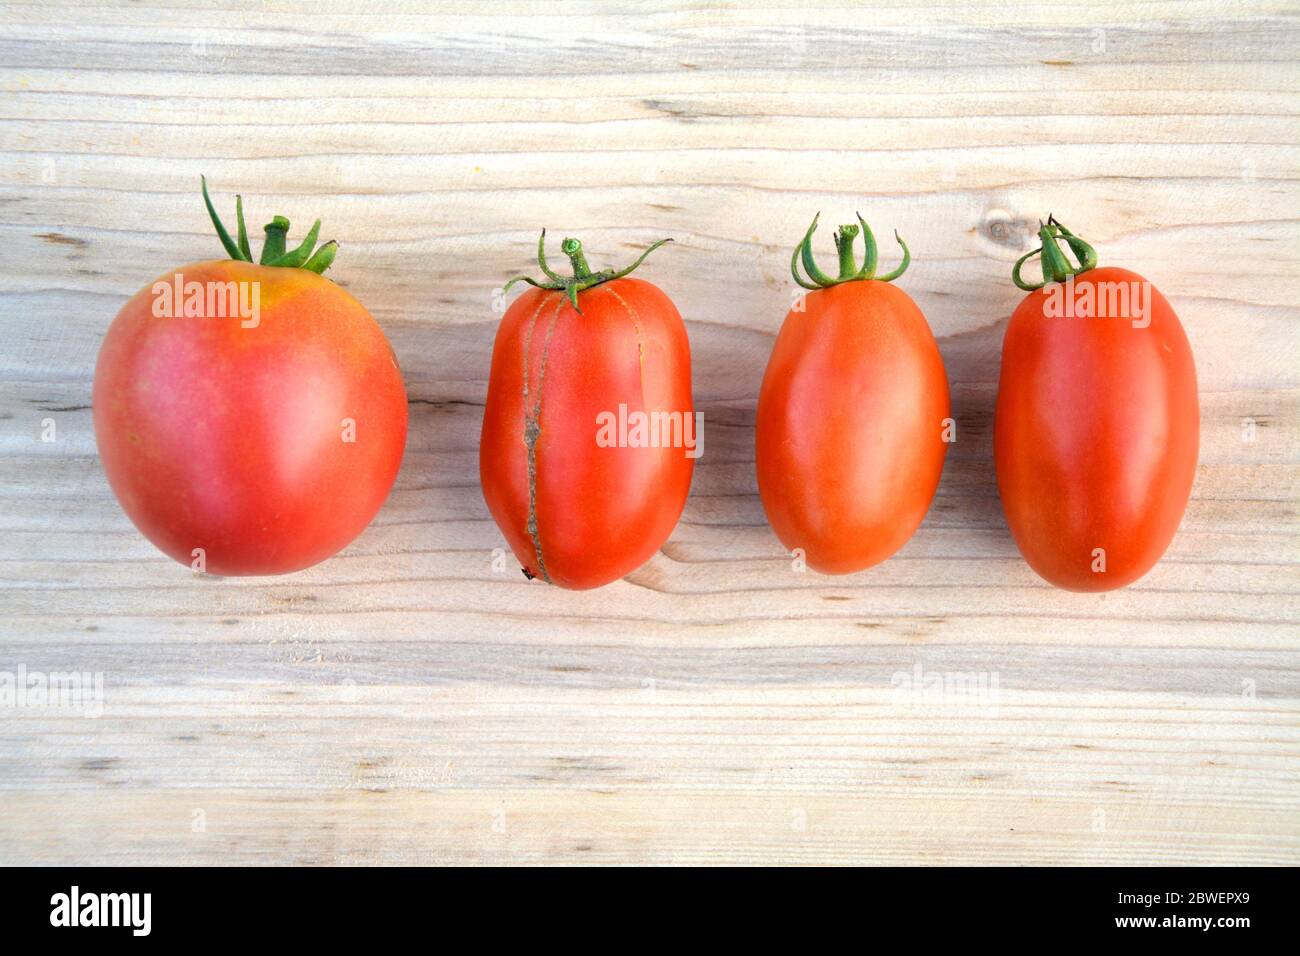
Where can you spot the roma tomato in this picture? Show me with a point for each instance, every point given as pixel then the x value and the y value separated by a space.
pixel 251 417
pixel 1097 424
pixel 851 415
pixel 589 431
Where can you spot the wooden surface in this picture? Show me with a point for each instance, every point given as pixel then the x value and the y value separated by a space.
pixel 407 702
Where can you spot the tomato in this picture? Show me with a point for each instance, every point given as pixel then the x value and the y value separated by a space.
pixel 258 435
pixel 580 504
pixel 1097 423
pixel 852 414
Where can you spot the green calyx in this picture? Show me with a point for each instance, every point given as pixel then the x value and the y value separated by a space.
pixel 583 278
pixel 1056 267
pixel 849 269
pixel 274 252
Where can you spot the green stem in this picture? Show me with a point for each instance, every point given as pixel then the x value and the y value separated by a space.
pixel 244 247
pixel 573 249
pixel 296 257
pixel 273 249
pixel 277 230
pixel 231 247
pixel 902 266
pixel 1085 253
pixel 1053 262
pixel 844 237
pixel 872 254
pixel 583 277
pixel 323 258
pixel 541 260
pixel 849 270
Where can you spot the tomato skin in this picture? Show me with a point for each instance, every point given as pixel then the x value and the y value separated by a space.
pixel 232 439
pixel 1096 436
pixel 849 429
pixel 600 512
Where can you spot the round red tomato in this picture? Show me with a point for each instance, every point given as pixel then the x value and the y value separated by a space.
pixel 852 414
pixel 589 430
pixel 1097 424
pixel 250 418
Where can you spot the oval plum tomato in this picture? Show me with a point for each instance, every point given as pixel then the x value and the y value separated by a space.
pixel 1097 422
pixel 851 415
pixel 251 417
pixel 589 431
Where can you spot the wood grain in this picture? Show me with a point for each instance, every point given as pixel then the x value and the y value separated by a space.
pixel 408 701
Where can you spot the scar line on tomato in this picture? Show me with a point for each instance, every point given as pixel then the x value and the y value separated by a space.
pixel 533 430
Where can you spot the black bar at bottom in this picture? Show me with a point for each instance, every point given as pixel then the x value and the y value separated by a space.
pixel 335 906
